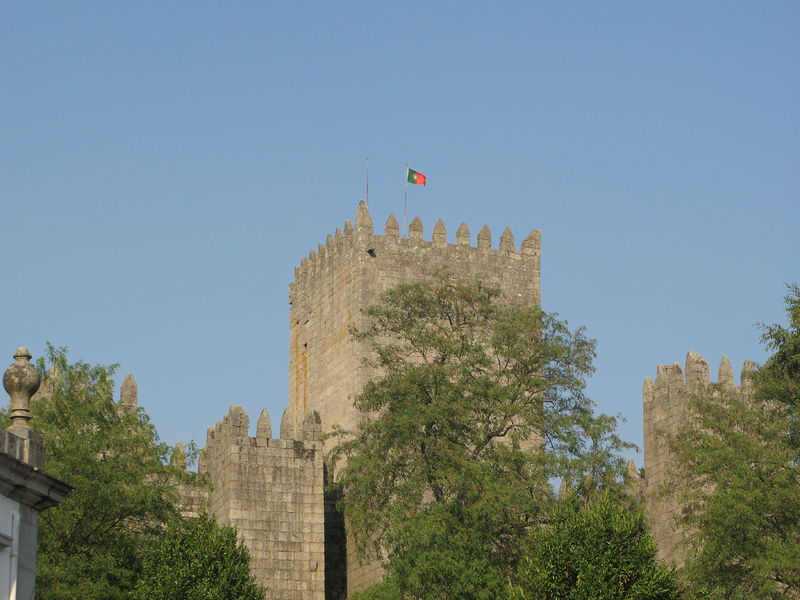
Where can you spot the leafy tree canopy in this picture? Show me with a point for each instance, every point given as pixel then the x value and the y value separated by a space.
pixel 90 545
pixel 197 559
pixel 598 550
pixel 477 403
pixel 737 476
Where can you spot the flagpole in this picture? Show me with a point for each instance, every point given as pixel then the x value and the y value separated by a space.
pixel 366 197
pixel 405 202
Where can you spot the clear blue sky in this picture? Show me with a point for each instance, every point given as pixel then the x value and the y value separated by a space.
pixel 165 166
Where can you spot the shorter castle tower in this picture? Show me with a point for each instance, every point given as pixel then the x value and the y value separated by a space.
pixel 271 490
pixel 666 407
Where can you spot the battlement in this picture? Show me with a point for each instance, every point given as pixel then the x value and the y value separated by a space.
pixel 346 243
pixel 670 379
pixel 666 408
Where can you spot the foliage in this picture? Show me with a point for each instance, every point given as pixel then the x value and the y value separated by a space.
pixel 477 403
pixel 778 380
pixel 442 553
pixel 598 550
pixel 89 547
pixel 738 477
pixel 197 559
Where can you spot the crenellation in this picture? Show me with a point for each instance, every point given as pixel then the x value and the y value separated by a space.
pixel 263 427
pixel 178 457
pixel 725 374
pixel 392 229
pixel 415 229
pixel 462 235
pixel 532 245
pixel 128 392
pixel 507 241
pixel 312 427
pixel 748 372
pixel 697 374
pixel 439 234
pixel 485 238
pixel 363 219
pixel 287 426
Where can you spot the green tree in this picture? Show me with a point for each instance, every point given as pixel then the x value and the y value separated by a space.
pixel 90 546
pixel 197 559
pixel 599 550
pixel 477 403
pixel 737 476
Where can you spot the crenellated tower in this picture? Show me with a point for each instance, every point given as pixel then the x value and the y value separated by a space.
pixel 666 407
pixel 271 490
pixel 335 283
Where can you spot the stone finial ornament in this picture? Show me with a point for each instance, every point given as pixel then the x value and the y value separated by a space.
pixel 21 380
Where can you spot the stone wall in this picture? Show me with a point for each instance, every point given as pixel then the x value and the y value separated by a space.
pixel 666 404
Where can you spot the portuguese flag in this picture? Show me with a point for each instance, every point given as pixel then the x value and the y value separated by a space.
pixel 416 178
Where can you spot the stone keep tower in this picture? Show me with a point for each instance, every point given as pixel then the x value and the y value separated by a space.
pixel 666 407
pixel 336 282
pixel 348 273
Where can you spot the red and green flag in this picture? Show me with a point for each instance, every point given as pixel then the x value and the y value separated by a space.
pixel 416 178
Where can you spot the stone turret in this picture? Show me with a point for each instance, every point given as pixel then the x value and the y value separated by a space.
pixel 666 407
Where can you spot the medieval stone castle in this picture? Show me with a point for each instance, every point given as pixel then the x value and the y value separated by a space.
pixel 272 487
